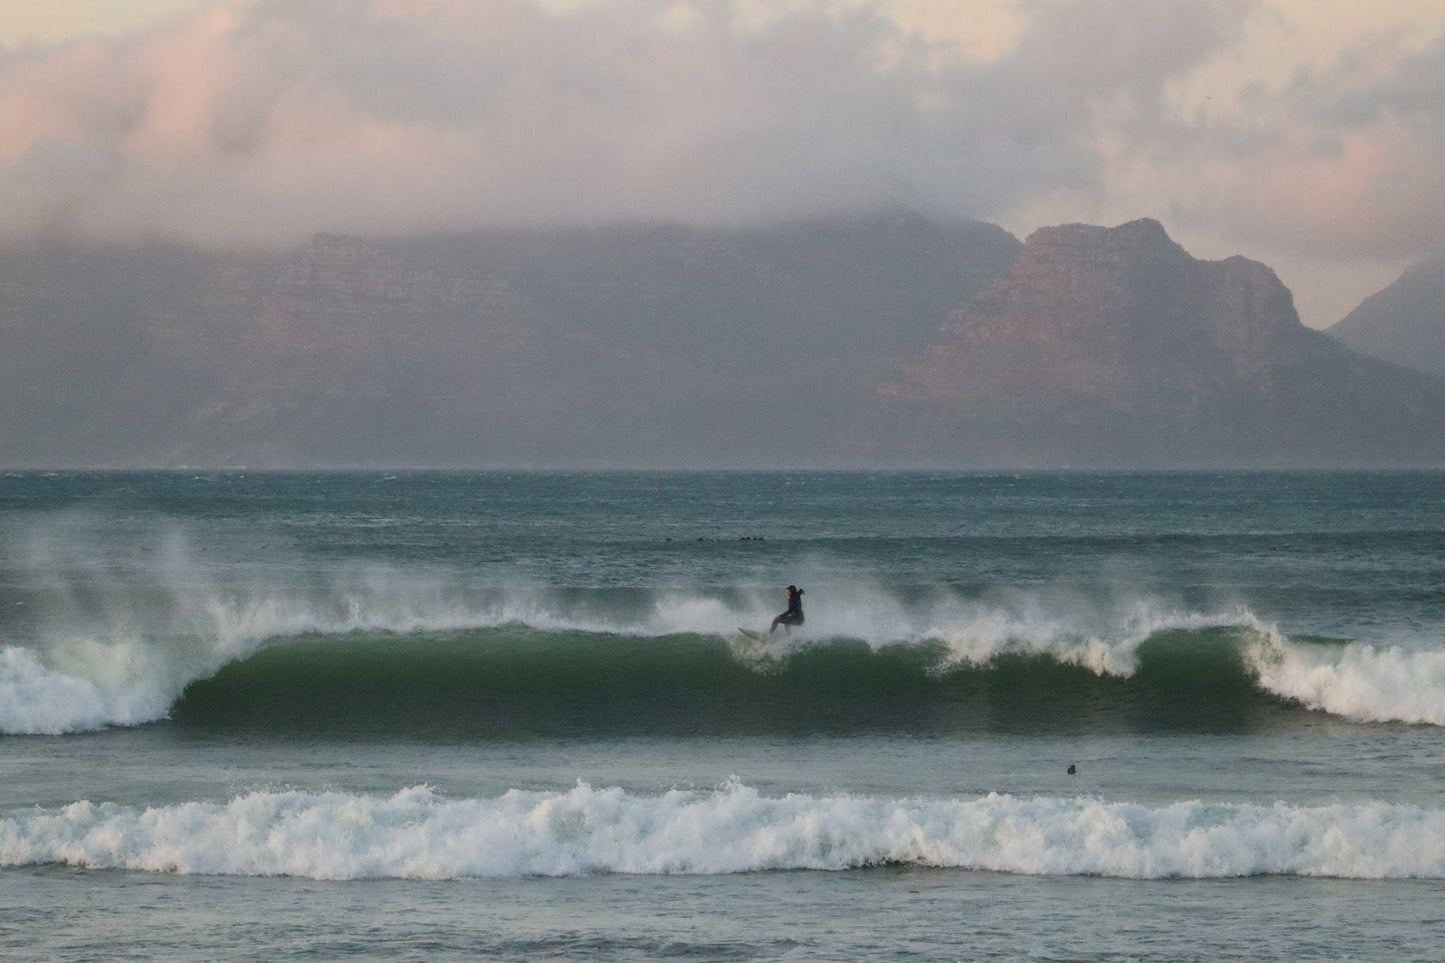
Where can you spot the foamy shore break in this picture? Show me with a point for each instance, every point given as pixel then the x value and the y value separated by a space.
pixel 419 834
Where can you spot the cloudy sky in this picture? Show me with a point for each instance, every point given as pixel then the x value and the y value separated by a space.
pixel 1309 134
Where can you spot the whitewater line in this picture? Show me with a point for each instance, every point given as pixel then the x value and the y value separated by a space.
pixel 419 834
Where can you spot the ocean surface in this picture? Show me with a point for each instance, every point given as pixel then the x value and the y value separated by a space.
pixel 445 715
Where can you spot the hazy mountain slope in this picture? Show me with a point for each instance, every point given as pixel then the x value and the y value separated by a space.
pixel 1404 323
pixel 638 344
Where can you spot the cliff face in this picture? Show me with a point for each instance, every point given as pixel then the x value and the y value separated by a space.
pixel 1114 345
pixel 1404 323
pixel 1110 317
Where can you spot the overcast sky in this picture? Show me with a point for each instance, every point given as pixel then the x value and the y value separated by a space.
pixel 1309 134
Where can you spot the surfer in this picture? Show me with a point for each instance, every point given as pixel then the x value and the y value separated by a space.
pixel 794 615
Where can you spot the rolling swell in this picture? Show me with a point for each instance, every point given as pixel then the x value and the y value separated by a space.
pixel 513 681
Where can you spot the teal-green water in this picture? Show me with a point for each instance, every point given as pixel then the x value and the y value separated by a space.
pixel 453 714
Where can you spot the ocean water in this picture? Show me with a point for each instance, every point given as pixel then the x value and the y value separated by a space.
pixel 445 715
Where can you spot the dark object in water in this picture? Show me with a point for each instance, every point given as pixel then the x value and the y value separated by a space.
pixel 794 615
pixel 1073 769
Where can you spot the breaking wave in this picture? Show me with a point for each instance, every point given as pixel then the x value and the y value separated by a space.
pixel 374 647
pixel 521 666
pixel 418 833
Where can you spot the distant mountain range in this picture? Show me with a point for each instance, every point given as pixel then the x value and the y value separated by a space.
pixel 1404 323
pixel 648 345
pixel 872 340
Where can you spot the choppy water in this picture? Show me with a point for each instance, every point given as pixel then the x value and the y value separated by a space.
pixel 511 713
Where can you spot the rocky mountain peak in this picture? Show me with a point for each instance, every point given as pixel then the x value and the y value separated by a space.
pixel 1102 337
pixel 1127 287
pixel 1142 235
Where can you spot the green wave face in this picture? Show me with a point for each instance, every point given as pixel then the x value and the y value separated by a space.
pixel 519 682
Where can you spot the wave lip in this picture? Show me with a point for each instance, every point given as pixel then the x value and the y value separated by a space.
pixel 418 833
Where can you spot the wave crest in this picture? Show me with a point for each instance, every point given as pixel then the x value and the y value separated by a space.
pixel 128 667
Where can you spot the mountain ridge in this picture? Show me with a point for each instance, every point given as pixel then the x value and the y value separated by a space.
pixel 884 339
pixel 1404 322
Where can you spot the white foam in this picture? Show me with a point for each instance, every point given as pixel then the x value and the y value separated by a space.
pixel 119 686
pixel 417 833
pixel 1356 681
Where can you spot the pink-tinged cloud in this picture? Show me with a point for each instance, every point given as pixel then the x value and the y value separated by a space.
pixel 1342 162
pixel 259 121
pixel 265 121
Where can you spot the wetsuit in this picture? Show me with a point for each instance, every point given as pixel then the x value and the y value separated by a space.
pixel 794 615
